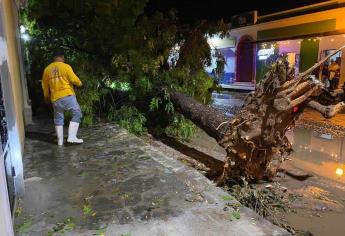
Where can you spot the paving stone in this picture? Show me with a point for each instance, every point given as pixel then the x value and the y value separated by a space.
pixel 118 181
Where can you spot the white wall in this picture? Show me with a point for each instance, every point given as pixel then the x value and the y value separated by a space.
pixel 230 65
pixel 289 46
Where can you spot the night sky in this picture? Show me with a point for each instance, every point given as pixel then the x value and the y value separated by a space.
pixel 191 10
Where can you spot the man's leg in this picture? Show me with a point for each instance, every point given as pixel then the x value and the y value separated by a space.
pixel 74 108
pixel 58 121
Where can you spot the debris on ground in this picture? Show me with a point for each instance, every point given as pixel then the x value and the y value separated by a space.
pixel 266 200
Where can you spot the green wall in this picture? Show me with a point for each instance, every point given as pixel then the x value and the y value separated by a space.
pixel 308 54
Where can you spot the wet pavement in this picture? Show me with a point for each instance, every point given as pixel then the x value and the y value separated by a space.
pixel 319 152
pixel 229 102
pixel 117 184
pixel 319 207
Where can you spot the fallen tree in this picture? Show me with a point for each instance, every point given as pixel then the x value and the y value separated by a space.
pixel 254 139
pixel 129 51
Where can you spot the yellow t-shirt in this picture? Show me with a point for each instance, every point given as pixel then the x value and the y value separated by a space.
pixel 58 80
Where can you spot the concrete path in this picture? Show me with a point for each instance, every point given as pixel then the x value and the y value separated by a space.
pixel 117 184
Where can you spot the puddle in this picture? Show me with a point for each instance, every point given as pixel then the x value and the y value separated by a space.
pixel 320 206
pixel 321 154
pixel 229 102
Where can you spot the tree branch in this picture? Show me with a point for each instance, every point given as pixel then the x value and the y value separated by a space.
pixel 327 111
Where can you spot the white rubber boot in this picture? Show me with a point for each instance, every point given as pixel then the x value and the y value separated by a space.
pixel 59 134
pixel 72 133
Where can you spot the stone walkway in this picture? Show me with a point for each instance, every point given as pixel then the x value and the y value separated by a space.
pixel 117 184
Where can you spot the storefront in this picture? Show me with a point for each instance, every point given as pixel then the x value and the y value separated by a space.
pixel 225 46
pixel 234 53
pixel 301 53
pixel 305 35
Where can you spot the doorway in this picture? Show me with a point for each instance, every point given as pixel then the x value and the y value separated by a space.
pixel 245 60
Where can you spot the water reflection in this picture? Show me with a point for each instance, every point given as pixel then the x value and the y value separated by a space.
pixel 229 102
pixel 322 154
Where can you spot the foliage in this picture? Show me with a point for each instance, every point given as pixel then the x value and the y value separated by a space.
pixel 181 128
pixel 236 215
pixel 62 227
pixel 267 202
pixel 116 48
pixel 101 232
pixel 129 118
pixel 227 198
pixel 87 208
pixel 25 227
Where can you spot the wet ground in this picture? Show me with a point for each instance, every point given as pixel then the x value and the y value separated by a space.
pixel 319 207
pixel 229 102
pixel 319 152
pixel 117 184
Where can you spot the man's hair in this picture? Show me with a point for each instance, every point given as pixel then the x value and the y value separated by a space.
pixel 59 52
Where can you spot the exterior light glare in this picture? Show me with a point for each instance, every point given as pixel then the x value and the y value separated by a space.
pixel 22 29
pixel 25 37
pixel 339 172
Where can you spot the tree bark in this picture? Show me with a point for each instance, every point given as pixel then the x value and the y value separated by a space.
pixel 254 138
pixel 205 117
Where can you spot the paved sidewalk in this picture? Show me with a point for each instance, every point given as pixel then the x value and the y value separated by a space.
pixel 117 184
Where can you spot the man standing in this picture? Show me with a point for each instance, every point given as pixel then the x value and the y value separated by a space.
pixel 57 83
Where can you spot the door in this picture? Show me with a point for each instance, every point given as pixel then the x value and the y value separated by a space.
pixel 245 60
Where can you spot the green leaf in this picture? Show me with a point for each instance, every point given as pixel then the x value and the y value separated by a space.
pixel 236 215
pixel 169 107
pixel 227 197
pixel 101 232
pixel 25 227
pixel 154 104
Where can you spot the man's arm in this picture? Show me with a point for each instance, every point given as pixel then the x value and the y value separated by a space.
pixel 45 87
pixel 73 78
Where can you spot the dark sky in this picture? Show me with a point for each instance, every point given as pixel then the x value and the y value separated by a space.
pixel 189 10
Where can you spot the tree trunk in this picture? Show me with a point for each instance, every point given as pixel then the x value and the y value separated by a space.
pixel 205 117
pixel 254 139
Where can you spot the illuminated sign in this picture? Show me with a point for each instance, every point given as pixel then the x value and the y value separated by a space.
pixel 265 53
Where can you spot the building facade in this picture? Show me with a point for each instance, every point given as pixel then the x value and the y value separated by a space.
pixel 305 35
pixel 15 111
